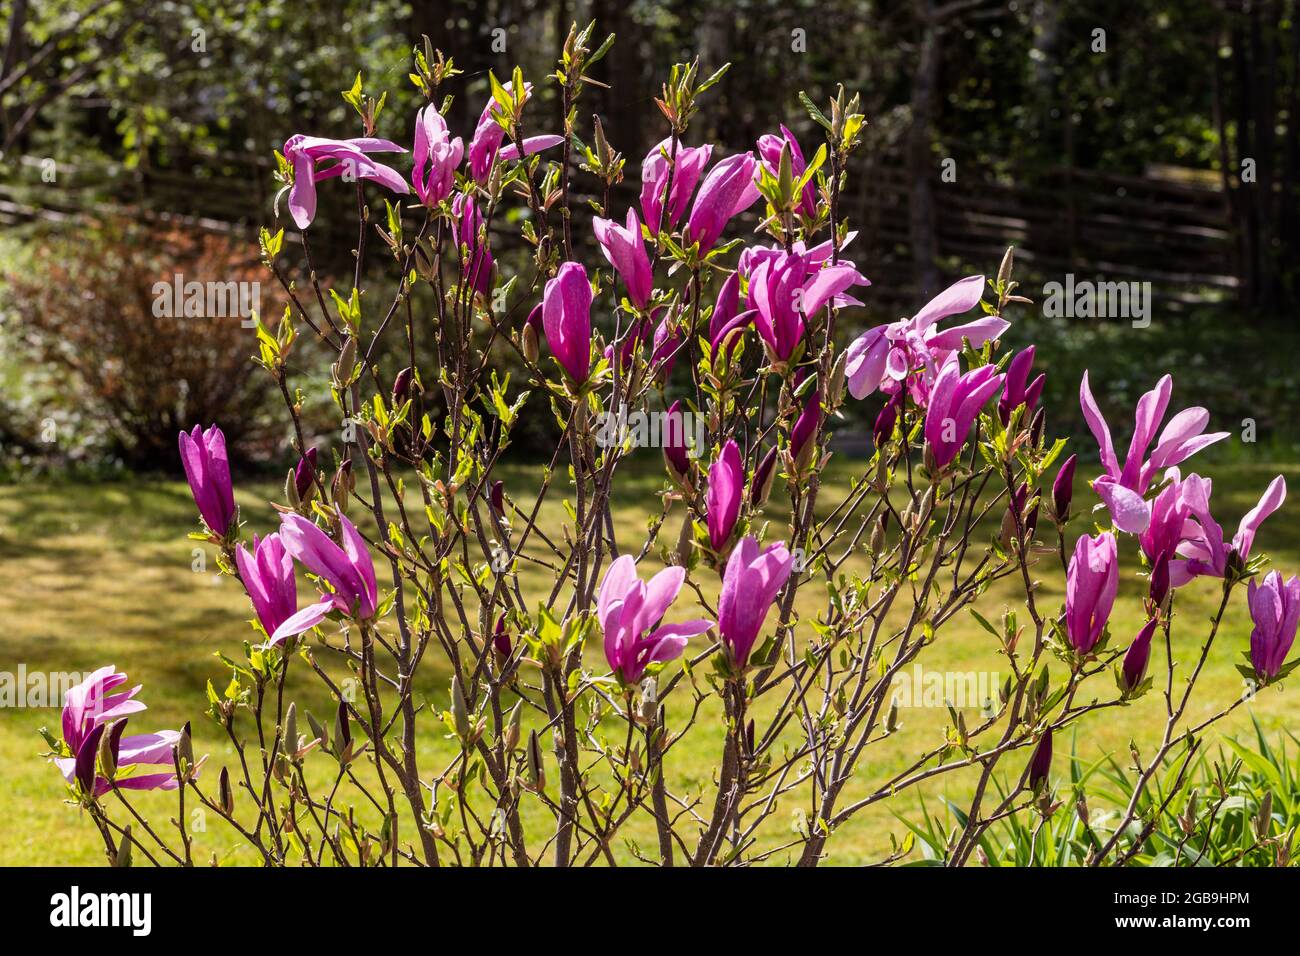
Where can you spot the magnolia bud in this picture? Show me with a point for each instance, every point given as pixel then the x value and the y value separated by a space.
pixel 122 859
pixel 513 726
pixel 225 793
pixel 1063 490
pixel 1040 765
pixel 459 709
pixel 878 533
pixel 528 343
pixel 685 538
pixel 501 639
pixel 347 362
pixel 304 474
pixel 291 729
pixel 291 491
pixel 185 747
pixel 341 487
pixel 883 430
pixel 1008 260
pixel 109 747
pixel 342 727
pixel 402 386
pixel 497 497
pixel 760 486
pixel 1160 580
pixel 536 769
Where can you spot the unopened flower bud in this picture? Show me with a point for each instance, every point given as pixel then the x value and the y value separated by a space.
pixel 536 769
pixel 760 486
pixel 225 793
pixel 304 474
pixel 1160 580
pixel 513 726
pixel 347 362
pixel 1063 490
pixel 1040 765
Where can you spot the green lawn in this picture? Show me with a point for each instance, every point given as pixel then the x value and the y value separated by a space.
pixel 99 574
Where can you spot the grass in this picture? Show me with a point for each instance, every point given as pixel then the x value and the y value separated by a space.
pixel 104 573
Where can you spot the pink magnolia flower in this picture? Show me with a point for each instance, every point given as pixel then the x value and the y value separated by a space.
pixel 749 587
pixel 348 570
pixel 910 352
pixel 268 576
pixel 207 468
pixel 726 486
pixel 687 164
pixel 566 316
pixel 434 148
pixel 1122 488
pixel 346 156
pixel 955 403
pixel 1091 582
pixel 727 191
pixel 629 609
pixel 1275 612
pixel 478 265
pixel 787 287
pixel 624 248
pixel 92 708
pixel 1202 550
pixel 485 148
pixel 769 148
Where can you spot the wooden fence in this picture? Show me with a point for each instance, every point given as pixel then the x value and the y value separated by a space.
pixel 1169 228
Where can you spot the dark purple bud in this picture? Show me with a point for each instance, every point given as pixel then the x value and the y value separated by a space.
pixel 803 442
pixel 497 497
pixel 1013 391
pixel 1040 764
pixel 1036 427
pixel 402 385
pixel 535 319
pixel 501 639
pixel 84 768
pixel 1160 580
pixel 1024 511
pixel 304 474
pixel 115 739
pixel 342 726
pixel 1035 391
pixel 883 430
pixel 1136 658
pixel 760 486
pixel 674 442
pixel 1063 489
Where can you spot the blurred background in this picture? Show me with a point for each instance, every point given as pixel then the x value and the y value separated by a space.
pixel 1104 139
